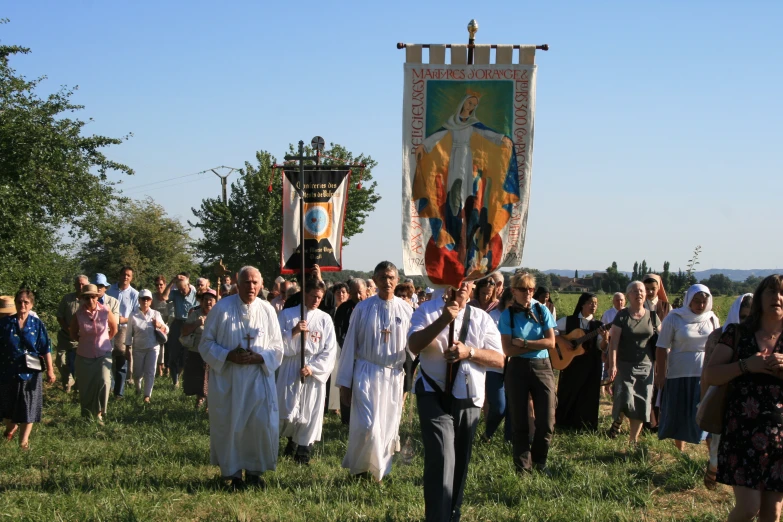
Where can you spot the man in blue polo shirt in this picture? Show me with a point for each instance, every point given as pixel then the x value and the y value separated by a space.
pixel 128 297
pixel 527 331
pixel 183 295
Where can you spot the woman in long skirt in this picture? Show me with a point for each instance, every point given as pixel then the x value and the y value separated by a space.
pixel 196 372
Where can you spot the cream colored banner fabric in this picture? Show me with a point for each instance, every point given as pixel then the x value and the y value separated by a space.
pixel 467 165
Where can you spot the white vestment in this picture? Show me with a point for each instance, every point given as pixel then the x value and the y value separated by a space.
pixel 302 405
pixel 371 365
pixel 243 418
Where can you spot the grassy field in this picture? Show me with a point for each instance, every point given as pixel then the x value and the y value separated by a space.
pixel 152 463
pixel 565 304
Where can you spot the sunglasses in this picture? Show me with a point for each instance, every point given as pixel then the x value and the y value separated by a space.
pixel 523 289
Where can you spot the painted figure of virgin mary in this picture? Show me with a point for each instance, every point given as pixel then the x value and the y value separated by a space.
pixel 465 183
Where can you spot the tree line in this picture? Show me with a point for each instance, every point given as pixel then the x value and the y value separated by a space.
pixel 61 215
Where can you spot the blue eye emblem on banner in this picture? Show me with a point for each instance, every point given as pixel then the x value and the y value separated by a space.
pixel 316 221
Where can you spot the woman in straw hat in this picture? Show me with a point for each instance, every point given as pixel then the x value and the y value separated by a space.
pixel 24 346
pixel 93 326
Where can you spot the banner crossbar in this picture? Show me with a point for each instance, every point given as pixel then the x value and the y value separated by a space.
pixel 400 45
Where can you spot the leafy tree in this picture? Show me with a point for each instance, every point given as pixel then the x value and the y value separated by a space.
pixel 666 276
pixel 635 274
pixel 140 235
pixel 720 284
pixel 643 270
pixel 616 281
pixel 248 230
pixel 576 274
pixel 54 179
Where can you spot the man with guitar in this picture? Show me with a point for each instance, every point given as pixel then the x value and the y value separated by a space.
pixel 578 357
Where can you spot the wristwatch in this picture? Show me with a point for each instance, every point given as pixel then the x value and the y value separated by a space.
pixel 472 353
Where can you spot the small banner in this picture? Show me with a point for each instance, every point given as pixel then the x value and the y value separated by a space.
pixel 467 156
pixel 325 197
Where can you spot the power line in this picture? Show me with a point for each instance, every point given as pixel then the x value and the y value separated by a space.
pixel 145 185
pixel 145 190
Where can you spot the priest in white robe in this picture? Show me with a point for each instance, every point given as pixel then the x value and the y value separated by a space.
pixel 302 403
pixel 243 347
pixel 371 374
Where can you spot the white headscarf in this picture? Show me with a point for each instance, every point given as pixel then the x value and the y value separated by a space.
pixel 685 312
pixel 455 122
pixel 734 317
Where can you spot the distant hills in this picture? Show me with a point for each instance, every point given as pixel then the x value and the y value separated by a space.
pixel 734 275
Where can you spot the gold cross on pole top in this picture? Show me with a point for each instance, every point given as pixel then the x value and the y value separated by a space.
pixel 386 332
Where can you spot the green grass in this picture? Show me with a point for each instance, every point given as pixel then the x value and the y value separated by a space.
pixel 152 463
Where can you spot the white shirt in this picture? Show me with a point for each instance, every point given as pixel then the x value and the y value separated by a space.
pixel 141 329
pixel 482 334
pixel 685 344
pixel 609 315
pixel 584 322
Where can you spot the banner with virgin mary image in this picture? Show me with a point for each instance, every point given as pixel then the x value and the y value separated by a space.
pixel 467 156
pixel 325 194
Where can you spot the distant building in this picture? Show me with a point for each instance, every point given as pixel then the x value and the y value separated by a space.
pixel 591 283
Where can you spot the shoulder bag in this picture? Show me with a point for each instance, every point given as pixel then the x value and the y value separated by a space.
pixel 652 342
pixel 712 407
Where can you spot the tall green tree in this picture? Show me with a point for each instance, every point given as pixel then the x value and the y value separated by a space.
pixel 138 234
pixel 248 229
pixel 54 179
pixel 666 275
pixel 617 281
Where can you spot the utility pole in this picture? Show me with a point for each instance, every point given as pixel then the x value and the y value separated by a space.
pixel 223 182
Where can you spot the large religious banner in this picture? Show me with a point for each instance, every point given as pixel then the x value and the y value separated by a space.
pixel 325 197
pixel 467 157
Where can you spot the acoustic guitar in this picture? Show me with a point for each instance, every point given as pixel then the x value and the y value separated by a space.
pixel 570 345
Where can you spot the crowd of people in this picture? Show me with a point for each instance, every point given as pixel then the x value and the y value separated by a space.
pixel 263 370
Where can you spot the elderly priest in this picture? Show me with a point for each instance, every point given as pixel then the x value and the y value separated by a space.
pixel 243 347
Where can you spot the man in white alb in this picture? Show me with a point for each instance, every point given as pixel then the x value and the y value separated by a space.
pixel 242 345
pixel 302 403
pixel 370 375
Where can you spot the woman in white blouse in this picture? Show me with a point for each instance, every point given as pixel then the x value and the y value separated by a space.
pixel 142 324
pixel 678 365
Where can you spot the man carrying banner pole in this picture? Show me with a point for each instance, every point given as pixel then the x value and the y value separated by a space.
pixel 467 149
pixel 449 415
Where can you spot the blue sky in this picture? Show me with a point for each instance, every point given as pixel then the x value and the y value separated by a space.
pixel 657 124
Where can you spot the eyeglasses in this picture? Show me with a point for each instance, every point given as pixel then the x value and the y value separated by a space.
pixel 523 289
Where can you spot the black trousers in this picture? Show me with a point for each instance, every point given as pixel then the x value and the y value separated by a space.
pixel 448 444
pixel 534 377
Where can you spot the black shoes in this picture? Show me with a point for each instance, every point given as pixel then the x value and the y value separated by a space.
pixel 255 481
